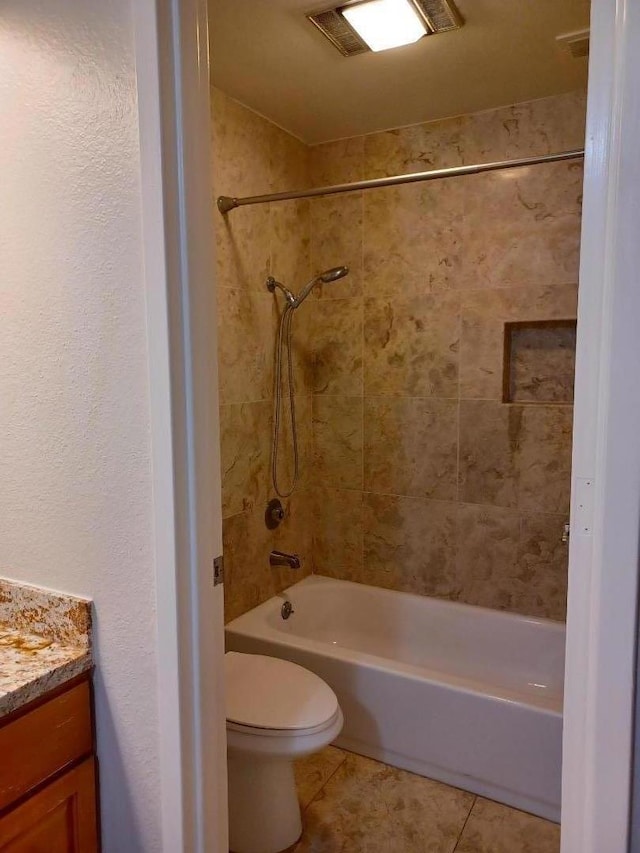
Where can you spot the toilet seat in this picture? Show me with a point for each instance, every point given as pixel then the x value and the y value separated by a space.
pixel 277 698
pixel 283 733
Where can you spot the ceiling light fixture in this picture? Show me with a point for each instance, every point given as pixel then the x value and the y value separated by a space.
pixel 338 24
pixel 383 24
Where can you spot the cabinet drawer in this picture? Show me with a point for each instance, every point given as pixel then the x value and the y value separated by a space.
pixel 61 818
pixel 41 742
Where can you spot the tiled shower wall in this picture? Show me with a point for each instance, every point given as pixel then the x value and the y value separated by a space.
pixel 415 474
pixel 252 156
pixel 426 481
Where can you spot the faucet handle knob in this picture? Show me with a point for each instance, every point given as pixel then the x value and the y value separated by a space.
pixel 274 514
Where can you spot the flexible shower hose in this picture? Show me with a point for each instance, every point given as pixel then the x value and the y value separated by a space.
pixel 283 344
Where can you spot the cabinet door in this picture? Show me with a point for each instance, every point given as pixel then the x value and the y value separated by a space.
pixel 61 818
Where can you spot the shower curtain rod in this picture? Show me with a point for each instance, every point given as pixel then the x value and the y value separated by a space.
pixel 227 203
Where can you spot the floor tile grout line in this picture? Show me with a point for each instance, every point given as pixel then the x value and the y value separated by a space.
pixel 325 783
pixel 466 821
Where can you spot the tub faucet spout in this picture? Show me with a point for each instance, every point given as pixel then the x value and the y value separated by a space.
pixel 280 558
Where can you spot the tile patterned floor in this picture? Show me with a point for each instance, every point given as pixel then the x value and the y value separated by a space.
pixel 352 804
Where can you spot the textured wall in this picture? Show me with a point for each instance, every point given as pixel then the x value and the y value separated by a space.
pixel 425 480
pixel 76 502
pixel 252 156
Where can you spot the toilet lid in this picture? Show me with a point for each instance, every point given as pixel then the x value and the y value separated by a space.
pixel 269 693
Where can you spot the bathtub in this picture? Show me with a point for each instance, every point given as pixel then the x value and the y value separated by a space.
pixel 465 695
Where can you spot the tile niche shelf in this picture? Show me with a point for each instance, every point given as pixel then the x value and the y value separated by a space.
pixel 539 362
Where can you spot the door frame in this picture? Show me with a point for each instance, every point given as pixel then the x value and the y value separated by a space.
pixel 172 67
pixel 605 511
pixel 605 503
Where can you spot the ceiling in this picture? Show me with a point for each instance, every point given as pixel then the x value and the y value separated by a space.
pixel 268 56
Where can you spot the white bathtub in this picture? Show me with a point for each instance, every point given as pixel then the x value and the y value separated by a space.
pixel 466 695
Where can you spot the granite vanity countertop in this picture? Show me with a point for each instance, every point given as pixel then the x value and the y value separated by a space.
pixel 45 641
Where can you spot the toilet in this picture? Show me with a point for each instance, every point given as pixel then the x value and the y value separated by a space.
pixel 277 712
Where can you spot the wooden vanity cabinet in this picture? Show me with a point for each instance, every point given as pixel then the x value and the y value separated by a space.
pixel 48 775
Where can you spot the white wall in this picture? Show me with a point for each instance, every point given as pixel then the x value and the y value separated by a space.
pixel 75 476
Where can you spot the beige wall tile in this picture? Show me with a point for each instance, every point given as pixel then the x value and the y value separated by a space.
pixel 246 340
pixel 337 533
pixel 239 136
pixel 515 456
pixel 481 356
pixel 247 580
pixel 411 447
pixel 304 421
pixel 240 148
pixel 339 162
pixel 487 549
pixel 529 129
pixel 337 439
pixel 243 248
pixel 543 461
pixel 542 565
pixel 521 227
pixel 531 302
pixel 411 346
pixel 412 238
pixel 494 828
pixel 290 243
pixel 245 439
pixel 508 561
pixel 489 433
pixel 416 148
pixel 336 240
pixel 410 545
pixel 523 130
pixel 335 327
pixel 290 161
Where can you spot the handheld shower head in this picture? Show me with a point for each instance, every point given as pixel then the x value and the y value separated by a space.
pixel 325 277
pixel 333 274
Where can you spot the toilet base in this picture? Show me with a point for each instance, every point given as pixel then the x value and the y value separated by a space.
pixel 264 814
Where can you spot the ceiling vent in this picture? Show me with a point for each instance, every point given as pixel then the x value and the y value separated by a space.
pixel 439 16
pixel 577 43
pixel 339 32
